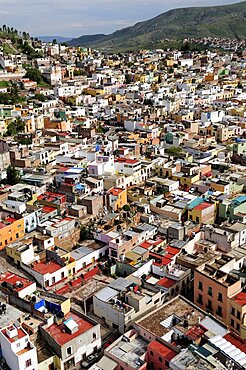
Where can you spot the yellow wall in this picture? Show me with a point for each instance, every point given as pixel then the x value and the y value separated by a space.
pixel 11 233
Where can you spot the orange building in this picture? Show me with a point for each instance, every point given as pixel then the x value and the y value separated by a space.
pixel 116 198
pixel 57 124
pixel 213 286
pixel 10 231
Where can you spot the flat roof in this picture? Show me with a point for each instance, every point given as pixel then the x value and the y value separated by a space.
pixel 17 282
pixel 60 335
pixel 154 321
pixel 106 294
pixel 46 267
pixel 130 352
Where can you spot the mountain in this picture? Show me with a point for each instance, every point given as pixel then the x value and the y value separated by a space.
pixel 214 21
pixel 59 39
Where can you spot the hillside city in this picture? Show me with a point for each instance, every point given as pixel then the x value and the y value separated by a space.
pixel 122 206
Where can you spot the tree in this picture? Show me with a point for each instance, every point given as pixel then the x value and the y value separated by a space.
pixel 185 47
pixel 85 233
pixel 40 97
pixel 13 176
pixel 127 79
pixel 126 208
pixel 15 127
pixel 54 42
pixel 34 74
pixel 174 151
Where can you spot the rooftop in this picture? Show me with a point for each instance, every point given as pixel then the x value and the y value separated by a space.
pixel 130 351
pixel 59 333
pixel 240 298
pixel 161 320
pixel 16 282
pixel 46 267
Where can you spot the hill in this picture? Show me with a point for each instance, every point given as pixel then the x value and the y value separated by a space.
pixel 227 21
pixel 59 39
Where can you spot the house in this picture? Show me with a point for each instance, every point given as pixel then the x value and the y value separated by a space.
pixel 11 230
pixel 72 337
pixel 237 313
pixel 213 286
pixel 116 198
pixel 17 349
pixel 204 213
pixel 17 285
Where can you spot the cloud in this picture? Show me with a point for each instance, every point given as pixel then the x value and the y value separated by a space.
pixel 77 17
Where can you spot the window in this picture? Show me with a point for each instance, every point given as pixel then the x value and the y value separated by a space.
pixel 17 345
pixel 200 287
pixel 209 305
pixel 220 298
pixel 69 351
pixel 233 311
pixel 160 359
pixel 28 363
pixel 238 315
pixel 94 336
pixel 199 299
pixel 238 327
pixel 232 323
pixel 210 291
pixel 219 311
pixel 151 353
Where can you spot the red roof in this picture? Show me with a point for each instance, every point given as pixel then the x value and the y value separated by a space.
pixel 172 250
pixel 47 209
pixel 127 160
pixel 236 341
pixel 115 191
pixel 195 332
pixel 58 333
pixel 10 220
pixel 162 350
pixel 20 334
pixel 203 206
pixel 166 282
pixel 151 243
pixel 13 279
pixel 240 298
pixel 46 268
pixel 50 197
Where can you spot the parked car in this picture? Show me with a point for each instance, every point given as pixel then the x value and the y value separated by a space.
pixel 91 359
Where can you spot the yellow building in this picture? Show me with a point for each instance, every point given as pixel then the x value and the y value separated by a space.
pixel 204 213
pixel 116 198
pixel 186 180
pixel 94 92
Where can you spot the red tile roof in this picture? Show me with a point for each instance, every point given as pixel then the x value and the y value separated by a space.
pixel 115 191
pixel 166 282
pixel 58 333
pixel 240 298
pixel 236 341
pixel 195 332
pixel 162 350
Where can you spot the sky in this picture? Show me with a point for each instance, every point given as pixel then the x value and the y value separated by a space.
pixel 73 18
